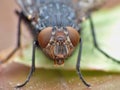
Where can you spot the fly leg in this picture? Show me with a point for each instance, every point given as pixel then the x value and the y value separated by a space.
pixel 32 67
pixel 95 41
pixel 78 65
pixel 18 41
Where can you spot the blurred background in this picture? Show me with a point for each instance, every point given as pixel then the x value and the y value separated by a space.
pixel 101 75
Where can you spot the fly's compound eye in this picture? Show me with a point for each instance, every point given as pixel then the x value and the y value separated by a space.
pixel 73 35
pixel 44 37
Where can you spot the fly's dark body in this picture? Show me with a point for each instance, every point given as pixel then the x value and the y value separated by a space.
pixel 55 26
pixel 54 22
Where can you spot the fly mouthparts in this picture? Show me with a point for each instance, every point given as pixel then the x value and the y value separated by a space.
pixel 59 62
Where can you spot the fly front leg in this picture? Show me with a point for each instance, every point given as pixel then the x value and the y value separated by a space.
pixel 18 41
pixel 78 65
pixel 32 66
pixel 95 41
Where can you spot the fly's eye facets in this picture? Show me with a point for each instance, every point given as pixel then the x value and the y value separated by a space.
pixel 44 37
pixel 73 35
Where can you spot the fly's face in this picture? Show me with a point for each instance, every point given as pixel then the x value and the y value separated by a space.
pixel 58 43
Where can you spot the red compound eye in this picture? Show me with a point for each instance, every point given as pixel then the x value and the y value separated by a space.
pixel 44 37
pixel 74 35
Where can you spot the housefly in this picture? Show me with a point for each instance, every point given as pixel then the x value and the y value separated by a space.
pixel 56 26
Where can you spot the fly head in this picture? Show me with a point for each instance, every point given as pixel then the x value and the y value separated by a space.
pixel 58 43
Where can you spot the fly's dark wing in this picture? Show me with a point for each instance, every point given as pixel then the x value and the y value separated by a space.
pixel 83 7
pixel 29 7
